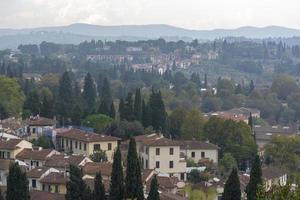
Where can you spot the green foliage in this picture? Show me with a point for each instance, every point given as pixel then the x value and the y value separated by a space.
pixel 99 191
pixel 89 93
pixel 117 179
pixel 99 122
pixel 196 194
pixel 255 179
pixel 133 180
pixel 11 98
pixel 76 187
pixel 126 129
pixel 44 142
pixel 153 194
pixel 176 120
pixel 192 126
pixel 17 184
pixel 281 150
pixel 99 156
pixel 284 85
pixel 227 163
pixel 232 189
pixel 196 176
pixel 232 137
pixel 156 109
pixel 138 112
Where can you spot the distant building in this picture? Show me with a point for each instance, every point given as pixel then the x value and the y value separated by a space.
pixel 37 126
pixel 10 148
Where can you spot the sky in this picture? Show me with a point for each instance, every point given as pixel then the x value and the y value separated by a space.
pixel 191 14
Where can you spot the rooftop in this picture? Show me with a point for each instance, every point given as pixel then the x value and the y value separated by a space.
pixel 31 154
pixel 62 161
pixel 40 121
pixel 91 168
pixel 37 172
pixel 9 144
pixel 194 144
pixel 156 140
pixel 55 178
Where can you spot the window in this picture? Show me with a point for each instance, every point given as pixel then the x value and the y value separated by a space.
pixel 84 147
pixel 43 187
pixel 76 144
pixel 109 146
pixel 37 163
pixel 147 164
pixel 8 155
pixel 147 150
pixel 202 154
pixel 171 164
pixel 33 130
pixel 157 151
pixel 49 188
pixel 33 183
pixel 31 163
pixel 71 144
pixel 157 164
pixel 193 154
pixel 96 147
pixel 67 142
pixel 182 176
pixel 56 189
pixel 62 143
pixel 171 151
pixel 80 145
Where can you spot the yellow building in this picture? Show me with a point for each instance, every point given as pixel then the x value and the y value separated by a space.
pixel 9 148
pixel 81 142
pixel 55 182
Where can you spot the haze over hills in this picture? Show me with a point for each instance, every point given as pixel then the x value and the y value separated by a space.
pixel 76 33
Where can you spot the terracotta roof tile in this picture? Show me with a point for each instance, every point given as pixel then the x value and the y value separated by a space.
pixel 193 144
pixel 272 172
pixel 40 121
pixel 37 172
pixel 156 140
pixel 62 161
pixel 9 144
pixel 5 163
pixel 55 178
pixel 34 154
pixel 81 135
pixel 91 168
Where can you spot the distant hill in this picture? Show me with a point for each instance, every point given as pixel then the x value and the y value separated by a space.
pixel 76 33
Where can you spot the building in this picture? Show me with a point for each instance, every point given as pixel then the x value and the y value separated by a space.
pixel 161 154
pixel 90 169
pixel 38 126
pixel 86 143
pixel 55 182
pixel 35 175
pixel 36 157
pixel 273 176
pixel 62 162
pixel 199 151
pixel 9 148
pixel 12 126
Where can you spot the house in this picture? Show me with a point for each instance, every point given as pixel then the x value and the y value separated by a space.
pixel 12 126
pixel 273 176
pixel 199 151
pixel 55 182
pixel 90 169
pixel 161 154
pixel 62 162
pixel 35 175
pixel 36 157
pixel 86 143
pixel 9 148
pixel 4 169
pixel 37 126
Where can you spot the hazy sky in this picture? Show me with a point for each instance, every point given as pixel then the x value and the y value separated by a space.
pixel 194 14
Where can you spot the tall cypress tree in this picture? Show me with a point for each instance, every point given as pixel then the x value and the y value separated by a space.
pixel 138 105
pixel 117 180
pixel 104 108
pixel 17 184
pixel 205 81
pixel 158 112
pixel 65 97
pixel 122 109
pixel 128 108
pixel 250 121
pixel 112 113
pixel 255 179
pixel 232 190
pixel 33 102
pixel 153 194
pixel 106 98
pixel 133 181
pixel 76 187
pixel 100 81
pixel 99 191
pixel 89 93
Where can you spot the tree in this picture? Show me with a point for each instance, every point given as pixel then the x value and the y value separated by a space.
pixel 99 191
pixel 89 93
pixel 77 115
pixel 99 122
pixel 192 127
pixel 133 182
pixel 99 156
pixel 251 86
pixel 284 85
pixel 11 98
pixel 126 129
pixel 250 121
pixel 33 102
pixel 17 184
pixel 153 194
pixel 65 97
pixel 138 105
pixel 117 180
pixel 112 112
pixel 122 109
pixel 128 108
pixel 255 179
pixel 76 187
pixel 47 103
pixel 227 163
pixel 205 81
pixel 232 189
pixel 157 110
pixel 176 120
pixel 44 142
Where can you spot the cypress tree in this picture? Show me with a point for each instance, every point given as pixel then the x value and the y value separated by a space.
pixel 17 184
pixel 33 102
pixel 121 109
pixel 138 105
pixel 65 97
pixel 255 179
pixel 99 191
pixel 205 81
pixel 106 99
pixel 128 108
pixel 153 194
pixel 232 189
pixel 47 106
pixel 251 86
pixel 76 187
pixel 117 181
pixel 112 113
pixel 104 108
pixel 100 81
pixel 77 115
pixel 158 113
pixel 250 121
pixel 133 181
pixel 89 93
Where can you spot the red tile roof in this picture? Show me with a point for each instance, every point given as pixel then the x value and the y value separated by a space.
pixel 40 121
pixel 37 172
pixel 77 134
pixel 62 161
pixel 55 178
pixel 9 144
pixel 91 168
pixel 34 154
pixel 156 140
